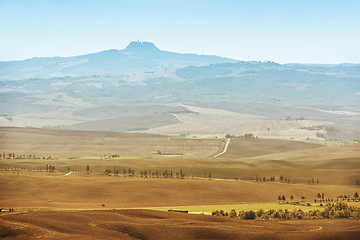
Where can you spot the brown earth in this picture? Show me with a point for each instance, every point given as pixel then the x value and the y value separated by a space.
pixel 93 144
pixel 250 147
pixel 55 191
pixel 89 198
pixel 148 224
pixel 245 158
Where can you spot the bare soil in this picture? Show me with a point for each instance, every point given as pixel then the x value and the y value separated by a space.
pixel 76 191
pixel 147 224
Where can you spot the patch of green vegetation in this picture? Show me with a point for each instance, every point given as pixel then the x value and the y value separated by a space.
pixel 313 128
pixel 331 142
pixel 208 209
pixel 196 138
pixel 331 210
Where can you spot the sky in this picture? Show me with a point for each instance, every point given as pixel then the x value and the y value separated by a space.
pixel 283 31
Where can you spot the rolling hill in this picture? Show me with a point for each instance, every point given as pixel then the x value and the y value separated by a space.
pixel 136 57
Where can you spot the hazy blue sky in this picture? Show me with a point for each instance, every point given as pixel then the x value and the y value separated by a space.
pixel 316 31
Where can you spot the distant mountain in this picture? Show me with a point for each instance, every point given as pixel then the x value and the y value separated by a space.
pixel 137 57
pixel 151 98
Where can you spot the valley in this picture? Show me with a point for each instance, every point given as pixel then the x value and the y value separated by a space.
pixel 102 145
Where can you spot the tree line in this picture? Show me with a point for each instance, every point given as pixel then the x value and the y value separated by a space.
pixel 272 179
pixel 144 173
pixel 25 156
pixel 331 210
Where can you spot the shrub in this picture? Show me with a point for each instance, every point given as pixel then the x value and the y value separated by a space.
pixel 249 215
pixel 260 212
pixel 331 210
pixel 233 213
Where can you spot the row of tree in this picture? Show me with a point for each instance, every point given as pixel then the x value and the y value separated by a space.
pixel 50 168
pixel 272 179
pixel 246 135
pixel 144 173
pixel 162 174
pixel 25 156
pixel 331 210
pixel 109 156
pixel 283 179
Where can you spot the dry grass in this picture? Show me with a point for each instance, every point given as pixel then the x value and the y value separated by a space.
pixel 91 191
pixel 65 143
pixel 244 159
pixel 41 191
pixel 210 122
pixel 147 224
pixel 250 147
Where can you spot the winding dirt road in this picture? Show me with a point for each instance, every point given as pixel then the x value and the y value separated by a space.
pixel 225 148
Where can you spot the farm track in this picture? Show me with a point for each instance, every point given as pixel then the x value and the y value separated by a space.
pixel 225 148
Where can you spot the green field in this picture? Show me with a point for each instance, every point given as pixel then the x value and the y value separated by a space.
pixel 208 209
pixel 196 138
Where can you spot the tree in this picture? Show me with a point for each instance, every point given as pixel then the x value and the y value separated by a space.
pixel 249 215
pixel 322 195
pixel 283 198
pixel 279 198
pixel 87 168
pixel 292 197
pixel 319 195
pixel 182 174
pixel 233 213
pixel 210 175
pixel 129 171
pixel 281 178
pixel 356 195
pixel 249 135
pixel 124 171
pixel 228 136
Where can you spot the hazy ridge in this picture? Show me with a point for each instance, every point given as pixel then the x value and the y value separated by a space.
pixel 113 86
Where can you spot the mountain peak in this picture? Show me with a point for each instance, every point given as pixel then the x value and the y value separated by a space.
pixel 141 46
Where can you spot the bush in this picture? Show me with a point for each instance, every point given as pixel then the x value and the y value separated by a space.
pixel 331 210
pixel 260 212
pixel 249 215
pixel 233 214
